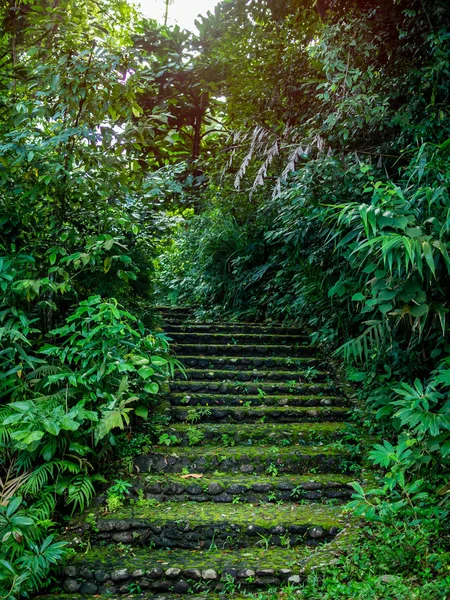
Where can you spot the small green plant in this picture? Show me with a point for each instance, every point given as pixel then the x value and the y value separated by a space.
pixel 167 439
pixel 120 489
pixel 272 469
pixel 213 545
pixel 297 492
pixel 114 503
pixel 310 373
pixel 91 520
pixel 195 436
pixel 196 414
pixel 292 385
pixel 227 440
pixel 229 586
pixel 264 541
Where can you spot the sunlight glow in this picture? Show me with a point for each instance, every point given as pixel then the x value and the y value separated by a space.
pixel 181 12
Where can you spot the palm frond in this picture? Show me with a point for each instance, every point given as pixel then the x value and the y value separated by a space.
pixel 81 492
pixel 372 339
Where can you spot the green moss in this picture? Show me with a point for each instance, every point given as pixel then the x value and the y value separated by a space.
pixel 235 360
pixel 268 399
pixel 224 336
pixel 252 452
pixel 242 386
pixel 224 374
pixel 265 434
pixel 271 348
pixel 261 411
pixel 227 479
pixel 244 514
pixel 248 558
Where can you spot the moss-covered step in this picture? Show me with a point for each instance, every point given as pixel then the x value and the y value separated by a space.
pixel 244 459
pixel 234 328
pixel 225 525
pixel 174 310
pixel 248 363
pixel 233 339
pixel 267 350
pixel 183 399
pixel 174 317
pixel 225 488
pixel 106 571
pixel 270 414
pixel 260 388
pixel 262 434
pixel 254 375
pixel 132 590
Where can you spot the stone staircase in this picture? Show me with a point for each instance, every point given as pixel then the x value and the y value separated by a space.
pixel 250 490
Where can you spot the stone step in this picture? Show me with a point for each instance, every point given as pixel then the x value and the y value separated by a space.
pixel 262 434
pixel 174 310
pixel 227 526
pixel 248 363
pixel 254 389
pixel 267 350
pixel 237 339
pixel 299 376
pixel 230 328
pixel 131 590
pixel 247 489
pixel 241 414
pixel 215 399
pixel 244 459
pixel 105 571
pixel 173 320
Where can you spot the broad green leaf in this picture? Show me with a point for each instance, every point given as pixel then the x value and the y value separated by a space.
pixel 146 372
pixel 158 361
pixel 420 310
pixel 152 388
pixel 428 253
pixel 386 307
pixel 141 411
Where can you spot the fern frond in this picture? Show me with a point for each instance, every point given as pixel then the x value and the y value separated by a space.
pixel 81 492
pixel 39 478
pixel 41 372
pixel 11 483
pixel 45 504
pixel 358 349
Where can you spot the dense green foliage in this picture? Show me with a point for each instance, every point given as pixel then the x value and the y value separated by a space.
pixel 276 165
pixel 344 219
pixel 330 207
pixel 76 367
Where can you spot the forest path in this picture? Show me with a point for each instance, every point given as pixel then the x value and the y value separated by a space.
pixel 249 491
